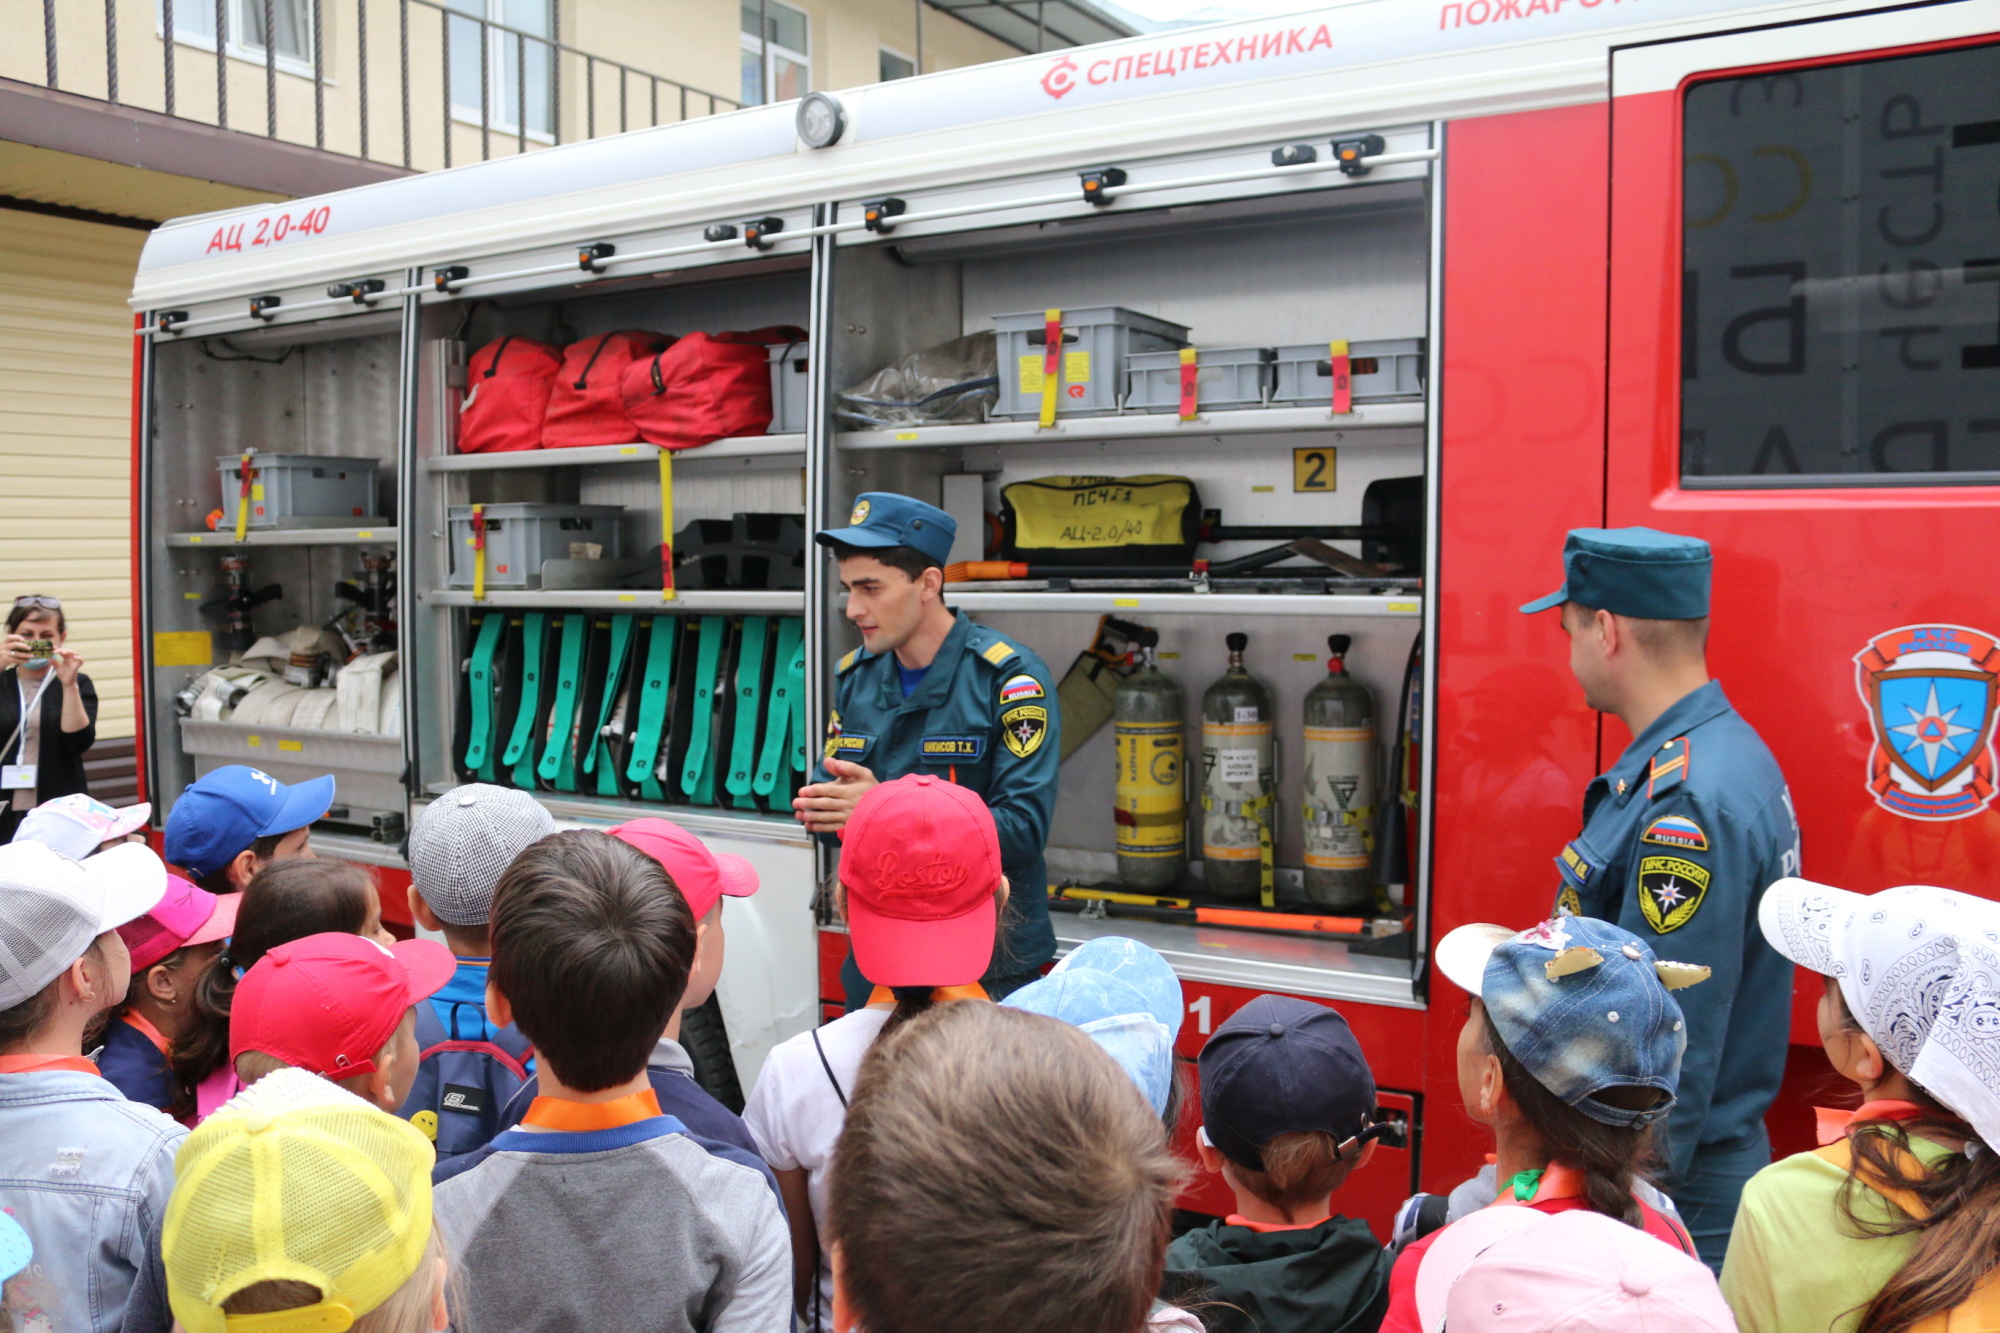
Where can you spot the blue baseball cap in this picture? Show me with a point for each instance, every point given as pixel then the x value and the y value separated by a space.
pixel 883 518
pixel 1637 572
pixel 1280 1065
pixel 226 810
pixel 1138 965
pixel 1114 1014
pixel 1582 1004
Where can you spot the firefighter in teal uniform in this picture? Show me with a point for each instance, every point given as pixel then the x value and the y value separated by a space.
pixel 931 692
pixel 1680 839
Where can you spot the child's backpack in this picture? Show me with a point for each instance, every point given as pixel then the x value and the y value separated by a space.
pixel 462 1083
pixel 507 386
pixel 705 387
pixel 587 405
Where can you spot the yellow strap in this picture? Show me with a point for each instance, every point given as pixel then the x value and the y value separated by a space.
pixel 666 525
pixel 1051 365
pixel 478 553
pixel 1338 347
pixel 242 504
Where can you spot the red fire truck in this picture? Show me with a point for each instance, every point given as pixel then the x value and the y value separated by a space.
pixel 1721 267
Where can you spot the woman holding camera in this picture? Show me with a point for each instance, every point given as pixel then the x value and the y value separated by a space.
pixel 48 711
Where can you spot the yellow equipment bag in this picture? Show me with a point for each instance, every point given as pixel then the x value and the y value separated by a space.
pixel 1145 520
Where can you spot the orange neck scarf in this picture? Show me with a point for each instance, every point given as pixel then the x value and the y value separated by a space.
pixel 940 995
pixel 575 1117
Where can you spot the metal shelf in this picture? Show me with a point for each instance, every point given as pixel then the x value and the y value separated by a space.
pixel 600 811
pixel 1343 605
pixel 1141 426
pixel 384 533
pixel 621 599
pixel 745 446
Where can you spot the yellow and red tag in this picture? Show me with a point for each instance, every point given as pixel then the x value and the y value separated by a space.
pixel 1343 377
pixel 1188 395
pixel 666 525
pixel 1051 364
pixel 479 553
pixel 243 475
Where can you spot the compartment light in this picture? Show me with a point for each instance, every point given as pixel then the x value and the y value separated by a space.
pixel 1352 154
pixel 588 257
pixel 756 230
pixel 1293 155
pixel 262 306
pixel 821 120
pixel 443 278
pixel 876 216
pixel 1098 184
pixel 359 291
pixel 170 321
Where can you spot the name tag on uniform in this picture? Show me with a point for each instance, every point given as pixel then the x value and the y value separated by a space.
pixel 954 748
pixel 17 777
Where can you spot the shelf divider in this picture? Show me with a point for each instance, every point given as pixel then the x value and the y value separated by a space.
pixel 747 446
pixel 1140 426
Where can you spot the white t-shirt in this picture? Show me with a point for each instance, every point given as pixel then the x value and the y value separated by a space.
pixel 796 1116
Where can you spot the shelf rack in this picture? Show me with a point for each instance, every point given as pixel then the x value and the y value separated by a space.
pixel 745 446
pixel 1194 603
pixel 1140 426
pixel 752 601
pixel 581 809
pixel 383 533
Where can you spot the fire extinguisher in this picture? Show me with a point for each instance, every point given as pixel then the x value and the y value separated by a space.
pixel 1339 785
pixel 1149 732
pixel 1239 783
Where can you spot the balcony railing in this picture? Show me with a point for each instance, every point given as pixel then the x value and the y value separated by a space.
pixel 459 86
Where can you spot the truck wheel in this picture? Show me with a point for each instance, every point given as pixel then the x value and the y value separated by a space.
pixel 706 1040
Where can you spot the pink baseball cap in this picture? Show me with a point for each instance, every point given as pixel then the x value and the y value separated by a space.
pixel 920 860
pixel 327 1003
pixel 187 916
pixel 1513 1269
pixel 704 877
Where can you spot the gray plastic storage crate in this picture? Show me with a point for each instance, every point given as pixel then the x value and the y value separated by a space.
pixel 1384 370
pixel 789 371
pixel 519 537
pixel 1224 377
pixel 300 490
pixel 1097 342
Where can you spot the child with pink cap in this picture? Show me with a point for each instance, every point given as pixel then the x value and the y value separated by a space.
pixel 921 889
pixel 171 946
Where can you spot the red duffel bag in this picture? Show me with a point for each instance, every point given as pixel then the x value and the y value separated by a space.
pixel 506 396
pixel 707 386
pixel 587 407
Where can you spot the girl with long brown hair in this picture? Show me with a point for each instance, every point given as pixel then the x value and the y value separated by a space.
pixel 1893 1223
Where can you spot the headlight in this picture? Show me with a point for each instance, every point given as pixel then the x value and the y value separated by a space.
pixel 822 120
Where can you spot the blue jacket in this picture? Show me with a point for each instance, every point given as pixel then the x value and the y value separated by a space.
pixel 1680 839
pixel 985 716
pixel 87 1174
pixel 136 1067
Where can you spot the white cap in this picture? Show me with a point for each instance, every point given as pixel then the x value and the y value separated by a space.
pixel 77 825
pixel 464 841
pixel 1919 968
pixel 51 908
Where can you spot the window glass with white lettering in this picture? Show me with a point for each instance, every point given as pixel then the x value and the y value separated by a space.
pixel 1840 298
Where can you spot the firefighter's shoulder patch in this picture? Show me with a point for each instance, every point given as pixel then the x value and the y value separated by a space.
pixel 1569 902
pixel 1017 689
pixel 998 651
pixel 1024 728
pixel 1671 889
pixel 846 664
pixel 1676 831
pixel 1668 769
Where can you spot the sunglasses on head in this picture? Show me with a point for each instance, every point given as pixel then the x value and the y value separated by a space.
pixel 38 602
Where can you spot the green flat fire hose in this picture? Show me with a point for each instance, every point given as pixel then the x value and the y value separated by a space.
pixel 798 675
pixel 641 766
pixel 698 768
pixel 479 680
pixel 787 690
pixel 516 756
pixel 558 766
pixel 599 760
pixel 749 689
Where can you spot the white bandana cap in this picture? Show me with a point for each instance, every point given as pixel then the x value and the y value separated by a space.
pixel 1919 968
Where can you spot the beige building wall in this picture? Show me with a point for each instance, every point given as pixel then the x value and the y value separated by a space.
pixel 66 436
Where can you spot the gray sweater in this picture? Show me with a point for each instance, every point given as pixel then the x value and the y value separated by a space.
pixel 635 1228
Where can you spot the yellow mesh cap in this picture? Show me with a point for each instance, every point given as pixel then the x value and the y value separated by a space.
pixel 295 1179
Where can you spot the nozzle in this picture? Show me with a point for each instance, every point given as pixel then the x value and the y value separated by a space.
pixel 1337 644
pixel 1237 642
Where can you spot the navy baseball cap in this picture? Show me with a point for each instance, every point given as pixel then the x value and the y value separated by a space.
pixel 883 518
pixel 1280 1065
pixel 225 811
pixel 1637 572
pixel 1584 1005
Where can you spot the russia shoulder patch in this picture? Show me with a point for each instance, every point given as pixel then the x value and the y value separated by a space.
pixel 1676 831
pixel 1016 688
pixel 998 651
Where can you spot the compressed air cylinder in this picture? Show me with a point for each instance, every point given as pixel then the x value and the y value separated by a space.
pixel 1150 735
pixel 1238 783
pixel 1339 785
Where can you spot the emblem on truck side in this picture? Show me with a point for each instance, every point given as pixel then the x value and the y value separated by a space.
pixel 1931 692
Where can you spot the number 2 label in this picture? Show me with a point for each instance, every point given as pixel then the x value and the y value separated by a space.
pixel 1314 469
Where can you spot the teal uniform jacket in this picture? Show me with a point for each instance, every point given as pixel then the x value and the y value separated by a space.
pixel 1680 839
pixel 985 717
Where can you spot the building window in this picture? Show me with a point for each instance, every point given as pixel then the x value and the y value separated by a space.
pixel 895 66
pixel 1839 283
pixel 291 21
pixel 782 61
pixel 521 23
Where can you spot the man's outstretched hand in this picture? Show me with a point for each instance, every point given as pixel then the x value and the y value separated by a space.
pixel 824 807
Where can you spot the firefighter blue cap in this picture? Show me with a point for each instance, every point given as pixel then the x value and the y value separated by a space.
pixel 1636 572
pixel 883 519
